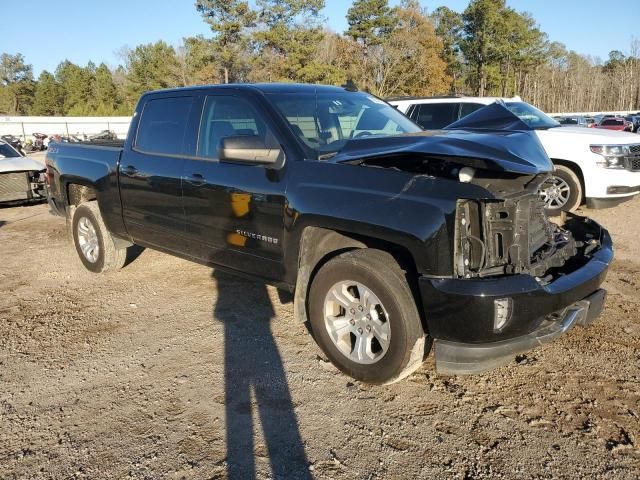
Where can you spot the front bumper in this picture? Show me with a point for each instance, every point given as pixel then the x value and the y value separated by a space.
pixel 454 358
pixel 460 313
pixel 609 182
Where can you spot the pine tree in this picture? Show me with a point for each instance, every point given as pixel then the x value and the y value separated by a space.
pixel 150 67
pixel 370 21
pixel 49 96
pixel 229 21
pixel 105 93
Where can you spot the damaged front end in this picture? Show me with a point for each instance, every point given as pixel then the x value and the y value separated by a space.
pixel 516 279
pixel 510 236
pixel 21 186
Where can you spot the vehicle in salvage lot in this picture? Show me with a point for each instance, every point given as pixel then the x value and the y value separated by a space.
pixel 594 166
pixel 617 124
pixel 391 238
pixel 21 178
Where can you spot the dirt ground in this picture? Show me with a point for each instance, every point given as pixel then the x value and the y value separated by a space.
pixel 168 369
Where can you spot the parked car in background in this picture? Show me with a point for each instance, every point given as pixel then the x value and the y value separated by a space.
pixel 575 121
pixel 634 120
pixel 21 178
pixel 596 166
pixel 368 220
pixel 15 142
pixel 613 123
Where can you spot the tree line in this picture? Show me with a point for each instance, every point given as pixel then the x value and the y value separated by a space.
pixel 488 49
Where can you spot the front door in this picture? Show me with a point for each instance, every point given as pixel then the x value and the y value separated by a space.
pixel 235 212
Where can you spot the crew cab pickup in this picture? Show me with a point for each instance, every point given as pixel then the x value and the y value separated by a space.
pixel 392 239
pixel 598 167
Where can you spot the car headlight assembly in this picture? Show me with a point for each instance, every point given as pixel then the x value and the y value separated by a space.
pixel 612 155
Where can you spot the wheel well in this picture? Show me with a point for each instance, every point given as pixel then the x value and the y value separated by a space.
pixel 576 169
pixel 77 194
pixel 319 245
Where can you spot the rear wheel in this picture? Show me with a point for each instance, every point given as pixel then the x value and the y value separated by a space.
pixel 94 244
pixel 363 316
pixel 562 192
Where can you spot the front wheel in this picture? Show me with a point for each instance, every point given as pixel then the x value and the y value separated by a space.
pixel 94 244
pixel 562 192
pixel 363 316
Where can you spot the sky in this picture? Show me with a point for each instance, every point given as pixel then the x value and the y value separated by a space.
pixel 48 32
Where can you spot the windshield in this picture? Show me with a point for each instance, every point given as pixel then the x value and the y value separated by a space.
pixel 530 115
pixel 7 151
pixel 326 121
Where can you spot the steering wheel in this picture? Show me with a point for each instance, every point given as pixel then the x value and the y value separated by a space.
pixel 362 134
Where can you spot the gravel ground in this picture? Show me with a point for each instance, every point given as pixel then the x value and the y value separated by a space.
pixel 168 369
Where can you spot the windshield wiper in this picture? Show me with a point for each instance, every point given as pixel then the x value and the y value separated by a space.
pixel 327 156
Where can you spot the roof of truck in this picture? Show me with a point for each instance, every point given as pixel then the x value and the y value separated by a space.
pixel 263 87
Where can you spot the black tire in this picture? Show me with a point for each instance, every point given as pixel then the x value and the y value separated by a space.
pixel 380 273
pixel 563 175
pixel 109 257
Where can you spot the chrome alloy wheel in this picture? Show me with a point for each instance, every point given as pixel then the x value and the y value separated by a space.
pixel 88 240
pixel 555 192
pixel 357 322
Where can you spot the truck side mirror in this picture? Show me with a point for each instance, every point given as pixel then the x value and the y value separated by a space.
pixel 248 149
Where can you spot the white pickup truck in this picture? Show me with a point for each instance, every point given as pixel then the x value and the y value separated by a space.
pixel 598 167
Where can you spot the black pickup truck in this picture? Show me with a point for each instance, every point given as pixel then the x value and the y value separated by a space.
pixel 394 239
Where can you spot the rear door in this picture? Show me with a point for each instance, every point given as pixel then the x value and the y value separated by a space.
pixel 234 211
pixel 151 169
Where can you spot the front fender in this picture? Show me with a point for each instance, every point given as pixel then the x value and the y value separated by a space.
pixel 415 212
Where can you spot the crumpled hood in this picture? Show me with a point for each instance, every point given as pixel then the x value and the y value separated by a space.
pixel 491 138
pixel 20 164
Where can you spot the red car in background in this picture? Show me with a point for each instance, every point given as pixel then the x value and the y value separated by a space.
pixel 614 123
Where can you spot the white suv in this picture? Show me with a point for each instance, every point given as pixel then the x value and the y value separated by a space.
pixel 598 167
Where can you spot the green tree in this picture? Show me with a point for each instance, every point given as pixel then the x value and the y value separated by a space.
pixel 48 97
pixel 229 20
pixel 370 21
pixel 105 93
pixel 78 84
pixel 16 85
pixel 286 41
pixel 448 27
pixel 150 67
pixel 482 39
pixel 616 60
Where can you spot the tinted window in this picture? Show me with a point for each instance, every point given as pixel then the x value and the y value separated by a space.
pixel 163 125
pixel 432 116
pixel 227 116
pixel 468 108
pixel 612 122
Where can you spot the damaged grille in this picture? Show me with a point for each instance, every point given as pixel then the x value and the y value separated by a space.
pixel 497 237
pixel 14 186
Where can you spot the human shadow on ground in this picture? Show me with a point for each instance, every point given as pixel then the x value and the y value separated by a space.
pixel 254 376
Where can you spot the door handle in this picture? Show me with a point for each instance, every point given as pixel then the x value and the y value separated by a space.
pixel 196 179
pixel 130 170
